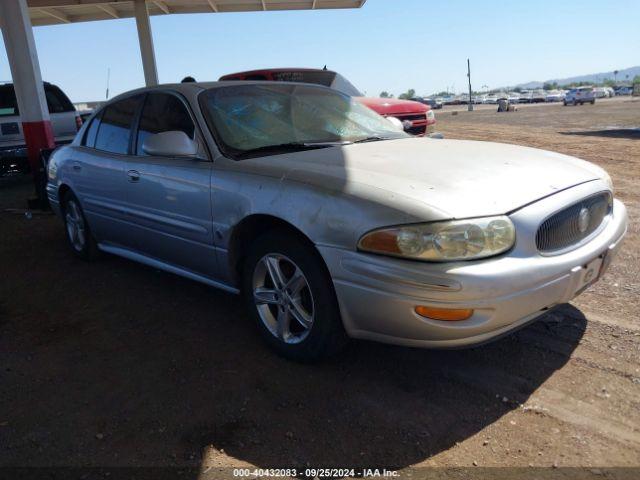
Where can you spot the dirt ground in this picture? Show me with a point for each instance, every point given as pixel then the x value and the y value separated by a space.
pixel 114 364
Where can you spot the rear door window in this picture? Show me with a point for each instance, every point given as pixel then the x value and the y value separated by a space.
pixel 114 132
pixel 163 112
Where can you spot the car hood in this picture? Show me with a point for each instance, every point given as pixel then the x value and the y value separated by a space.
pixel 456 178
pixel 391 106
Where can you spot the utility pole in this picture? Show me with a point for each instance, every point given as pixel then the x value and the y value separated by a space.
pixel 108 75
pixel 470 106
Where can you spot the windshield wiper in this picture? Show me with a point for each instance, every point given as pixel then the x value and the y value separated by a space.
pixel 372 138
pixel 287 147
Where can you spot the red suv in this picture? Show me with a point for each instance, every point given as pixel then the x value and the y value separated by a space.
pixel 417 118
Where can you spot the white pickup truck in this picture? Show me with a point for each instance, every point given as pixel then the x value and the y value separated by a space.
pixel 65 122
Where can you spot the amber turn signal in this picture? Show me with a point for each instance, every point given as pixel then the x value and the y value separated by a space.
pixel 444 314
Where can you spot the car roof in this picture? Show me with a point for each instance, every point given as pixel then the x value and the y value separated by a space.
pixel 192 89
pixel 279 69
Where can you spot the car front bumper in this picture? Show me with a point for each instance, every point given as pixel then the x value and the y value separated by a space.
pixel 377 295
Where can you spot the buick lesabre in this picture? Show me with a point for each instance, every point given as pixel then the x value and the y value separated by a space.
pixel 328 220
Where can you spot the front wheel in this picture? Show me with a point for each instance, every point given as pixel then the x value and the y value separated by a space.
pixel 289 294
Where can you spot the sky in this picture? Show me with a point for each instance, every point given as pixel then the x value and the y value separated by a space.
pixel 390 45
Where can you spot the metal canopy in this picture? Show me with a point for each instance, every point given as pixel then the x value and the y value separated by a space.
pixel 52 12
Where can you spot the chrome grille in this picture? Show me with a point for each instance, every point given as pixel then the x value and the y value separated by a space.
pixel 420 117
pixel 566 228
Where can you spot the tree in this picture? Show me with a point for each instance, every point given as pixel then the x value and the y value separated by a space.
pixel 408 94
pixel 386 94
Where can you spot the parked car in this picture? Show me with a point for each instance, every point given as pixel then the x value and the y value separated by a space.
pixel 601 92
pixel 417 118
pixel 526 96
pixel 624 90
pixel 513 97
pixel 537 96
pixel 555 96
pixel 65 122
pixel 85 114
pixel 580 96
pixel 330 222
pixel 432 102
pixel 490 99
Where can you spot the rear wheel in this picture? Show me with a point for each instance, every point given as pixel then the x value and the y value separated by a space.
pixel 78 232
pixel 290 296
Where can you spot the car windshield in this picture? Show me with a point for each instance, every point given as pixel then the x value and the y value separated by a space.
pixel 267 119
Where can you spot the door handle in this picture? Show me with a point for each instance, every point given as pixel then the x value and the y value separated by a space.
pixel 77 167
pixel 133 175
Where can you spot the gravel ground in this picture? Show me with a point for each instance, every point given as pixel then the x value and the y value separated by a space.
pixel 113 364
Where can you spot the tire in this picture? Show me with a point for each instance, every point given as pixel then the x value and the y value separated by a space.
pixel 565 103
pixel 301 322
pixel 593 102
pixel 79 235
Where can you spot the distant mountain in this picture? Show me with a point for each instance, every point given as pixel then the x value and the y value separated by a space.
pixel 625 75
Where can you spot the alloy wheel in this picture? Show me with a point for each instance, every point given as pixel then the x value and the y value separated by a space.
pixel 75 226
pixel 283 298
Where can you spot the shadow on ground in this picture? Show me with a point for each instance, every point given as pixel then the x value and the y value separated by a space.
pixel 116 364
pixel 631 133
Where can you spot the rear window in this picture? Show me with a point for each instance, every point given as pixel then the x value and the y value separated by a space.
pixel 8 103
pixel 57 101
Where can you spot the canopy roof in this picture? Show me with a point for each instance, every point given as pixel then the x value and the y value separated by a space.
pixel 51 12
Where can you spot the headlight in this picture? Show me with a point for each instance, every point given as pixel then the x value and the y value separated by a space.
pixel 607 179
pixel 443 241
pixel 430 115
pixel 396 122
pixel 52 168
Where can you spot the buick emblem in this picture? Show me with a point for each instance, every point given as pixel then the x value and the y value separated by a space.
pixel 583 219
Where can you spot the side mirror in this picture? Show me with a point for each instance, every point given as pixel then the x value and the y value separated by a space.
pixel 170 144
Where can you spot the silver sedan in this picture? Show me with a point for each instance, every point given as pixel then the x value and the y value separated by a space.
pixel 329 221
